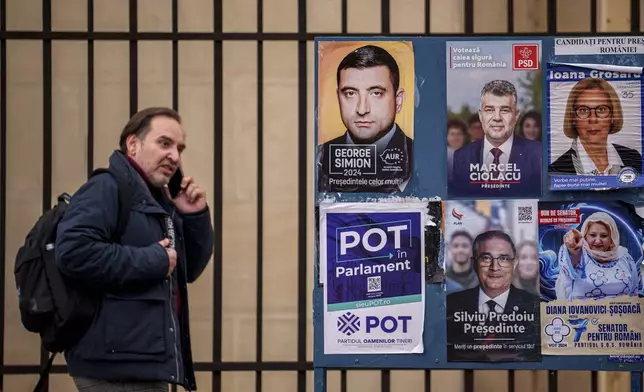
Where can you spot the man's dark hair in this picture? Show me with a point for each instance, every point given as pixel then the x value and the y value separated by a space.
pixel 139 124
pixel 500 88
pixel 371 56
pixel 458 124
pixel 488 235
pixel 461 233
pixel 474 118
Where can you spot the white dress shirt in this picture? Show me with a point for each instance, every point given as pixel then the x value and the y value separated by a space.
pixel 506 148
pixel 500 300
pixel 585 165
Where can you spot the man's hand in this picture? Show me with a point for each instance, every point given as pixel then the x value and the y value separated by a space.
pixel 191 198
pixel 172 255
pixel 572 239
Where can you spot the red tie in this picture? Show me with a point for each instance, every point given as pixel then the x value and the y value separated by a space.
pixel 496 152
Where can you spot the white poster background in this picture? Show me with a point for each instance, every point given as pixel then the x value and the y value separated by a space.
pixel 629 93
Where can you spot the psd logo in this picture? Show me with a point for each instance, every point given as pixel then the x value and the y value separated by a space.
pixel 525 57
pixel 348 323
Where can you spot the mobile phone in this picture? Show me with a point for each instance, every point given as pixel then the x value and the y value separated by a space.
pixel 174 186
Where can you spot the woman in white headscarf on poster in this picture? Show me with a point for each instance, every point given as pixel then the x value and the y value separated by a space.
pixel 593 264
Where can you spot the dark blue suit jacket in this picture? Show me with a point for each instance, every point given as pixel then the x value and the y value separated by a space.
pixel 526 154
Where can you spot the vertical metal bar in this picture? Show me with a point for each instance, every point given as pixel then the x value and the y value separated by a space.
pixel 510 8
pixel 468 380
pixel 552 29
pixel 90 89
pixel 593 16
pixel 3 173
pixel 636 382
pixel 385 26
pixel 428 13
pixel 260 197
pixel 175 73
pixel 175 55
pixel 635 16
pixel 46 136
pixel 552 16
pixel 469 16
pixel 345 29
pixel 552 381
pixel 385 380
pixel 345 18
pixel 593 381
pixel 218 177
pixel 385 10
pixel 511 381
pixel 302 205
pixel 134 91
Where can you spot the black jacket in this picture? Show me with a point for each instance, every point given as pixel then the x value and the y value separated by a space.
pixel 136 333
pixel 388 174
pixel 564 164
pixel 521 347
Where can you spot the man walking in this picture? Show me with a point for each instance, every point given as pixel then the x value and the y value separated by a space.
pixel 139 339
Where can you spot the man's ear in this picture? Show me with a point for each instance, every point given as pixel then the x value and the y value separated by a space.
pixel 400 98
pixel 132 144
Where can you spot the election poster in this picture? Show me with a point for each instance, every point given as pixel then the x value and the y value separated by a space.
pixel 494 126
pixel 365 116
pixel 591 281
pixel 595 126
pixel 372 255
pixel 492 281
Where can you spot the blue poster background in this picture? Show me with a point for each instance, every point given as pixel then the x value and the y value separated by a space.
pixel 429 180
pixel 394 283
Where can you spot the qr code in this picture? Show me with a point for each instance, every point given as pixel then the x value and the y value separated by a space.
pixel 373 283
pixel 525 214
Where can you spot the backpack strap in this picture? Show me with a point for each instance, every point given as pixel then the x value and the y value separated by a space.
pixel 44 372
pixel 125 200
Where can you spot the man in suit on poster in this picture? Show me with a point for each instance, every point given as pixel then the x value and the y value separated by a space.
pixel 369 98
pixel 495 312
pixel 502 163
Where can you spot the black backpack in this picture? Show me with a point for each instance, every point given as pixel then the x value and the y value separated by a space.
pixel 52 304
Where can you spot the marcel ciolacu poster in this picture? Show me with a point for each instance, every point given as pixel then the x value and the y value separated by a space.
pixel 373 271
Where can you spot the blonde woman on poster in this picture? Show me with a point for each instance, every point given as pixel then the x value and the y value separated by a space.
pixel 593 264
pixel 593 112
pixel 595 127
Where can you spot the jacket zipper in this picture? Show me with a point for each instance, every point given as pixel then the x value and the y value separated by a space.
pixel 174 324
pixel 174 329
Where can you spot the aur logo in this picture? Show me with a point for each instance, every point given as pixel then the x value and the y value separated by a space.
pixel 392 156
pixel 348 323
pixel 525 57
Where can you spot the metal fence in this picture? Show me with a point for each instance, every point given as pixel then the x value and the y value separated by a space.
pixel 217 37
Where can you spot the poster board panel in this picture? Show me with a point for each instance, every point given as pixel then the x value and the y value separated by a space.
pixel 429 179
